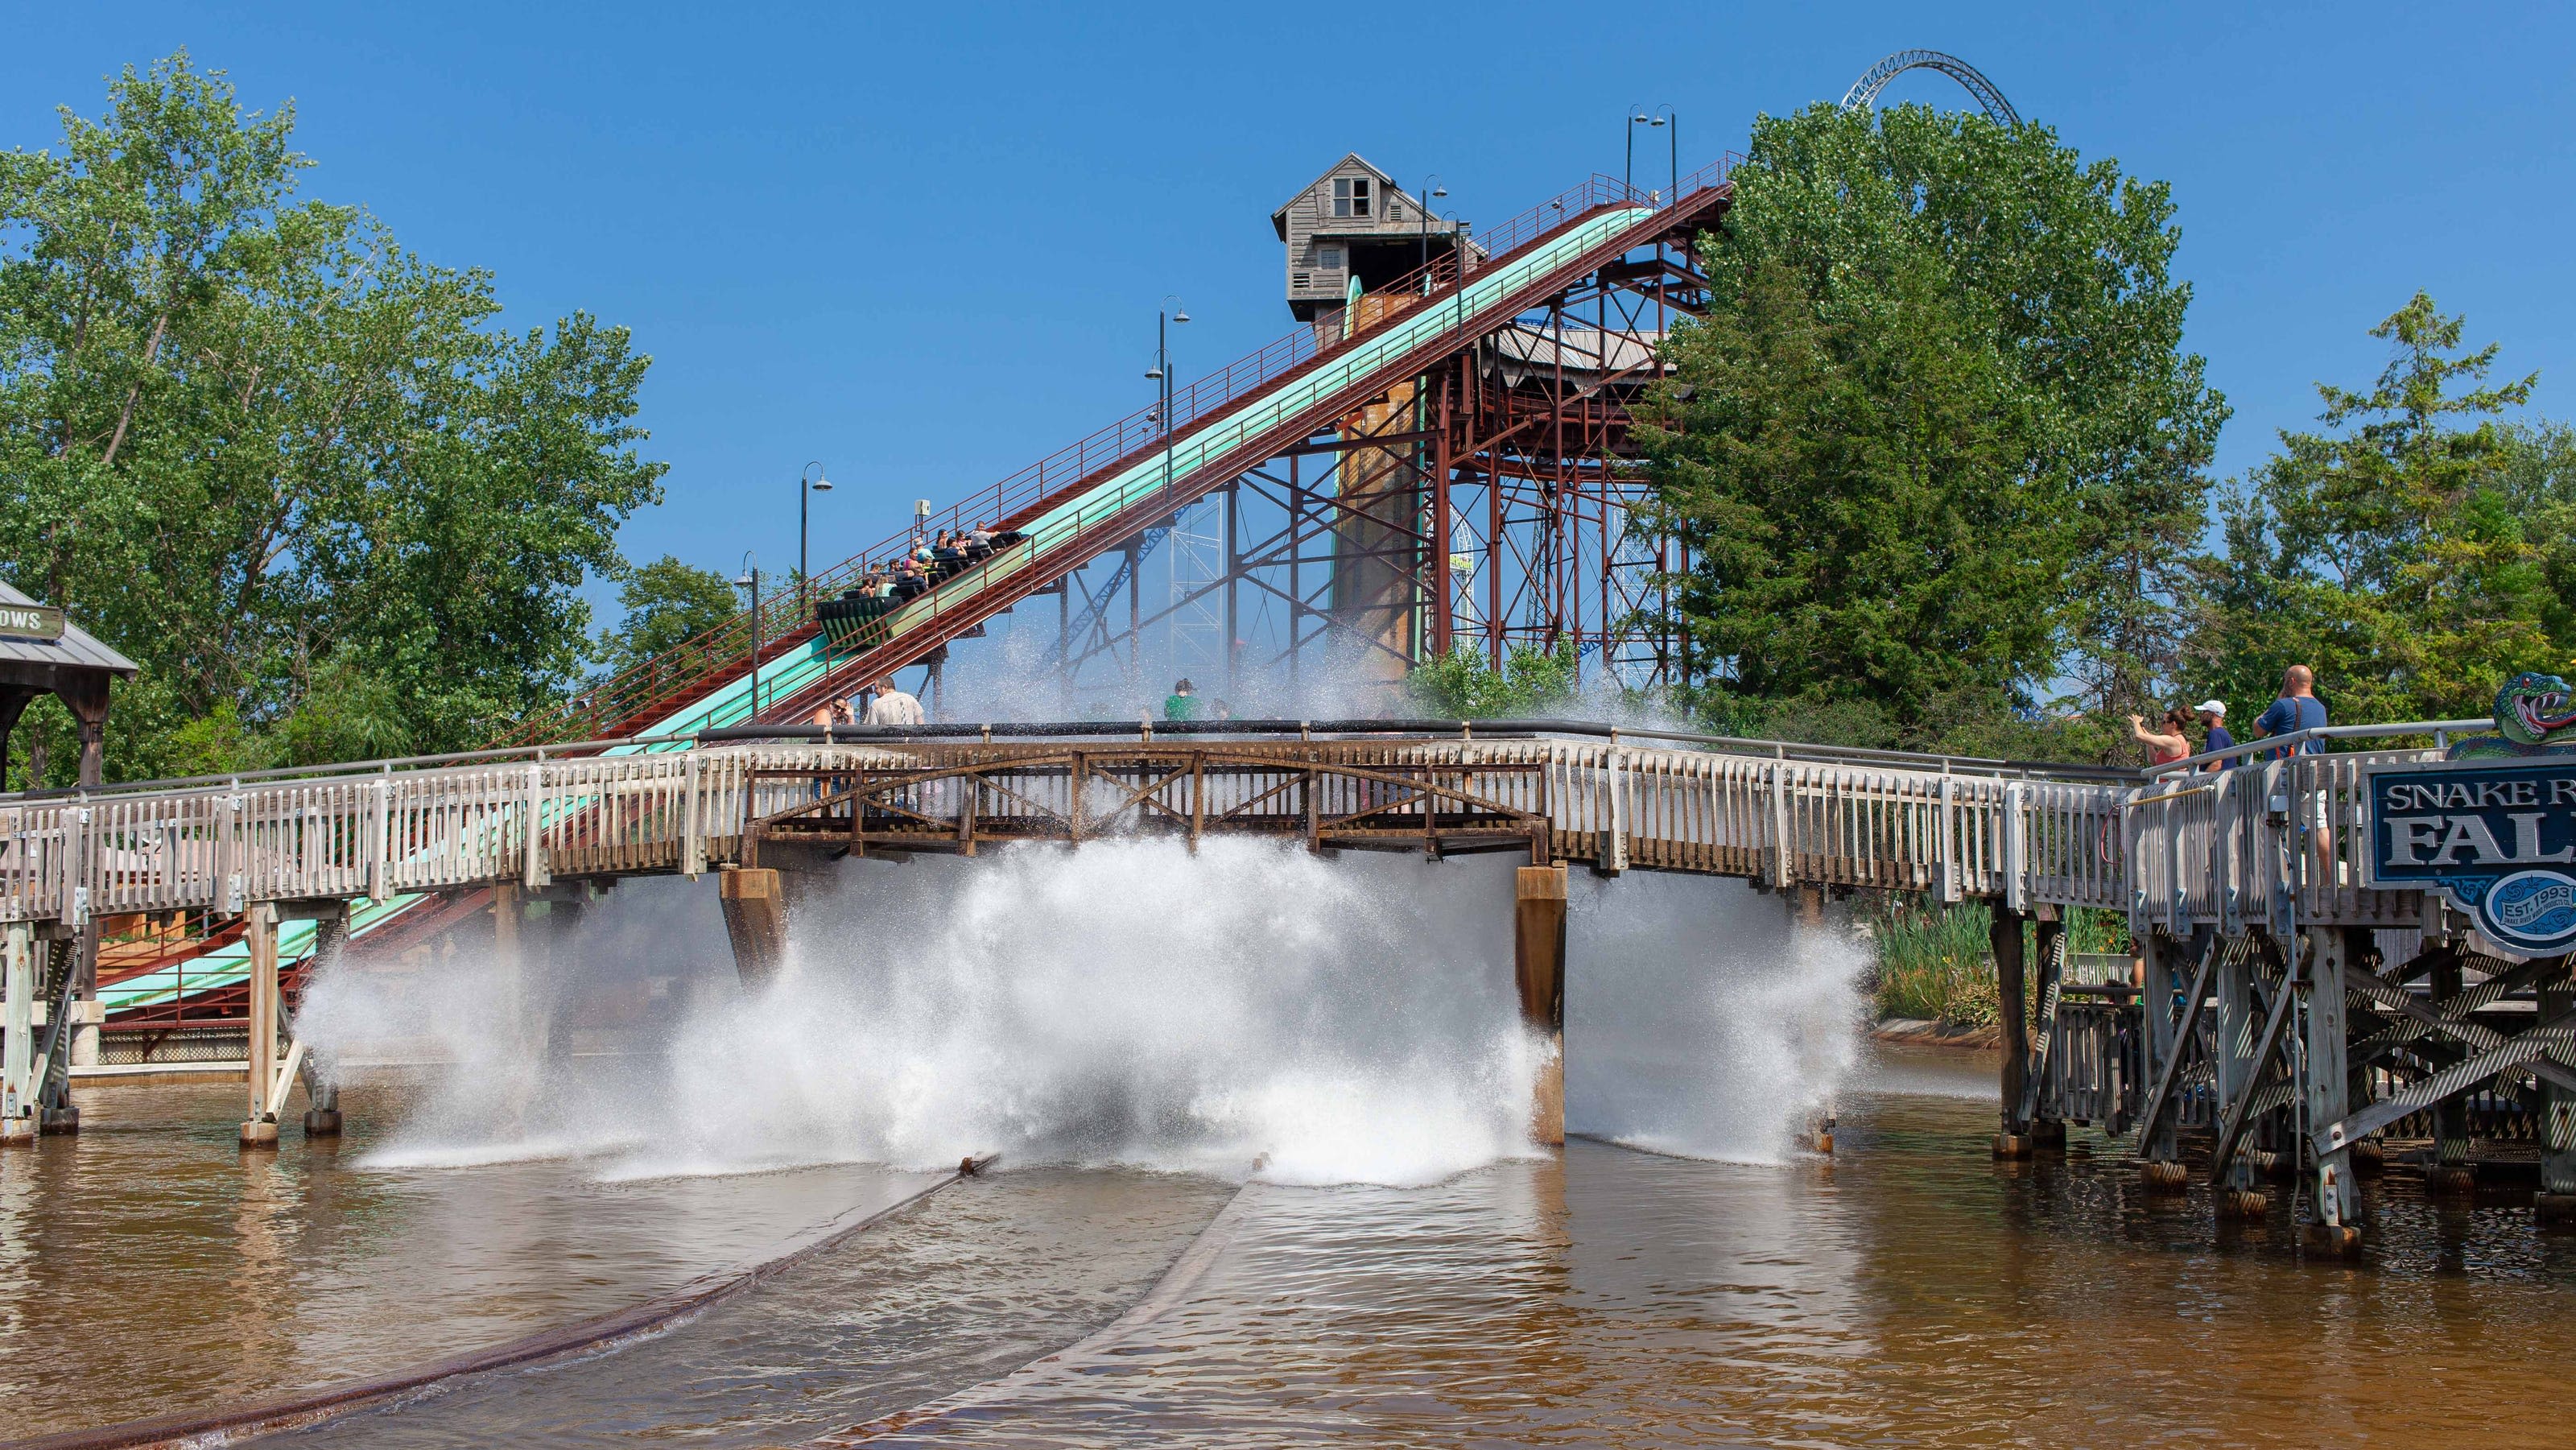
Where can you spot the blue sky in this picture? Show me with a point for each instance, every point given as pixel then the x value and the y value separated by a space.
pixel 927 248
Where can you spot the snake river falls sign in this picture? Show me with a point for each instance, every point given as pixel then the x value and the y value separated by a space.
pixel 30 621
pixel 2499 839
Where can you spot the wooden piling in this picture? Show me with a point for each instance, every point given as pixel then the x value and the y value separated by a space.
pixel 1538 955
pixel 2336 1226
pixel 2003 938
pixel 17 1061
pixel 2452 1171
pixel 2235 1070
pixel 2555 1204
pixel 321 1090
pixel 755 915
pixel 259 932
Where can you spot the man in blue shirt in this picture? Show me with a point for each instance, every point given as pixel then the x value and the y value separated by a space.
pixel 2213 719
pixel 2298 709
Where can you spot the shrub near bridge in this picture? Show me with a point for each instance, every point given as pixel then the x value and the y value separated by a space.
pixel 1934 963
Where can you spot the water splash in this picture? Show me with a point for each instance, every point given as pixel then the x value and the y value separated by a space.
pixel 1700 1022
pixel 1250 1009
pixel 1126 1003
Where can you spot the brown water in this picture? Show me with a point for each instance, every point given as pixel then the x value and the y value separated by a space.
pixel 148 1266
pixel 1911 1293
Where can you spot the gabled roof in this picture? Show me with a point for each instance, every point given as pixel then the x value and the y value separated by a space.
pixel 1279 218
pixel 78 648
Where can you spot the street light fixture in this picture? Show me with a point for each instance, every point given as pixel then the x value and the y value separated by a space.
pixel 1637 117
pixel 1161 373
pixel 749 579
pixel 1458 229
pixel 1672 122
pixel 805 490
pixel 1431 189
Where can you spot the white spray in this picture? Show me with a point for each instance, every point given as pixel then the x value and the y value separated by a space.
pixel 1700 1021
pixel 1250 1008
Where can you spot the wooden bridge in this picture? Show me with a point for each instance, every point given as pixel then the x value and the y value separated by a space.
pixel 2248 889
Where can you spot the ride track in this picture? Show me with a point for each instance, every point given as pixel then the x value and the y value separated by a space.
pixel 1111 488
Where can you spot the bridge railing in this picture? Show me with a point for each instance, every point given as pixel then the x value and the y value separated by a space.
pixel 2269 842
pixel 380 832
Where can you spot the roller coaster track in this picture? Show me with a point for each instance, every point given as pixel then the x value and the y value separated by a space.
pixel 1864 92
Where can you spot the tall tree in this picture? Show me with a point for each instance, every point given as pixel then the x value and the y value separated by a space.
pixel 1937 432
pixel 2396 556
pixel 666 604
pixel 273 456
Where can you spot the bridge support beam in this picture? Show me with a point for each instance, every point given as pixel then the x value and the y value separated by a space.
pixel 2556 1203
pixel 259 933
pixel 2452 1171
pixel 18 977
pixel 2003 939
pixel 321 1090
pixel 87 1014
pixel 1538 958
pixel 2044 1117
pixel 2162 956
pixel 2336 1225
pixel 2243 1048
pixel 755 915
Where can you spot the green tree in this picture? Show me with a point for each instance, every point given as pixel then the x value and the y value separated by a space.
pixel 2408 556
pixel 1937 433
pixel 1463 685
pixel 666 603
pixel 287 466
pixel 2538 478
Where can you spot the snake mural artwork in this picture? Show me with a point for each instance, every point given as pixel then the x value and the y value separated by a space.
pixel 2533 715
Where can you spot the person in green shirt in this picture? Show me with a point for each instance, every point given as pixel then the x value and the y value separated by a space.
pixel 1183 703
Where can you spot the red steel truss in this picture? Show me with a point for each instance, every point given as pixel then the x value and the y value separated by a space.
pixel 1480 489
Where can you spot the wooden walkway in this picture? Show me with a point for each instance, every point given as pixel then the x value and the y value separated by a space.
pixel 1783 816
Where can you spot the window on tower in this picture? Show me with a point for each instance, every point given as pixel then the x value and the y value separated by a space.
pixel 1350 196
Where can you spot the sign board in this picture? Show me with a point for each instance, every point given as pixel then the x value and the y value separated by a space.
pixel 30 621
pixel 2497 838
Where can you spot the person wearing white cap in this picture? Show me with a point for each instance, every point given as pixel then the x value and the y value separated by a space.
pixel 2213 718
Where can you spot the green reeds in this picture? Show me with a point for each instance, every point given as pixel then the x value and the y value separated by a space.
pixel 1934 961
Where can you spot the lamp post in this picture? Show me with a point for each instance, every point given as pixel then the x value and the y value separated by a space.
pixel 1458 230
pixel 1431 189
pixel 1672 122
pixel 805 490
pixel 1160 374
pixel 1637 117
pixel 749 579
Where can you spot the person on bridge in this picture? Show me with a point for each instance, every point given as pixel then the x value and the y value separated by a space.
pixel 2213 719
pixel 1183 703
pixel 2299 709
pixel 2171 745
pixel 893 707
